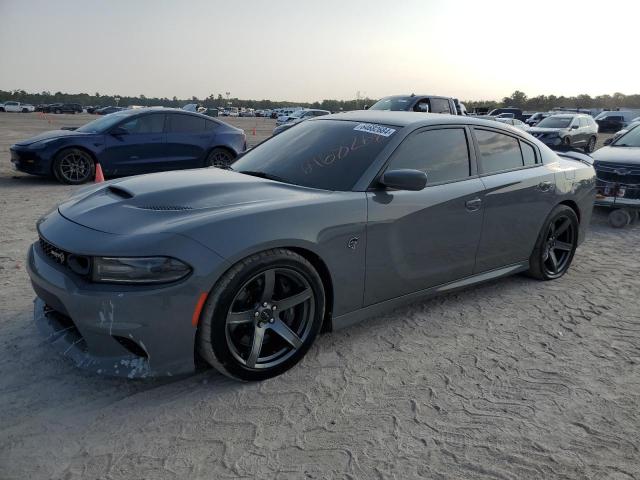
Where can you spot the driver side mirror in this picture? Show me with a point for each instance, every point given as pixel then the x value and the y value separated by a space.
pixel 404 179
pixel 574 127
pixel 117 131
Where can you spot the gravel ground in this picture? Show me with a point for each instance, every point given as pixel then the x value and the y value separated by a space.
pixel 511 379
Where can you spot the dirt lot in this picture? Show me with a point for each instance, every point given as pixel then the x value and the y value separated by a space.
pixel 512 379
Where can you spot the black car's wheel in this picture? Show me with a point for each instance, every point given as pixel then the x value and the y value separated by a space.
pixel 591 145
pixel 219 157
pixel 556 245
pixel 57 111
pixel 1 109
pixel 262 316
pixel 73 166
pixel 25 110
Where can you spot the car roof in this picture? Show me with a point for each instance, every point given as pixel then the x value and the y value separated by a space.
pixel 138 111
pixel 415 95
pixel 412 119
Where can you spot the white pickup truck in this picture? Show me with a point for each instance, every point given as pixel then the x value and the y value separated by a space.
pixel 16 107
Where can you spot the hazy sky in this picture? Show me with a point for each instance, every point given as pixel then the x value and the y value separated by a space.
pixel 311 50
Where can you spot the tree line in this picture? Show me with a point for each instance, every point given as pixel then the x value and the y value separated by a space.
pixel 516 99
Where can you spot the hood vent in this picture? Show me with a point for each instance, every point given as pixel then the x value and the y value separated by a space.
pixel 165 208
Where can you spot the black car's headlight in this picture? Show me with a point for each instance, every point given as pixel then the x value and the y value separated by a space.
pixel 138 269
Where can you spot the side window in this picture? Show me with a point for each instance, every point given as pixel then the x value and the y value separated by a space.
pixel 421 105
pixel 528 154
pixel 440 105
pixel 442 154
pixel 179 123
pixel 153 123
pixel 210 125
pixel 583 122
pixel 499 152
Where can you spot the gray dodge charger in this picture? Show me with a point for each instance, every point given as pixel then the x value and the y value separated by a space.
pixel 341 218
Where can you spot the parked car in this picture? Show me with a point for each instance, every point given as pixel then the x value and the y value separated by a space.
pixel 298 117
pixel 128 143
pixel 417 103
pixel 322 226
pixel 17 107
pixel 536 118
pixel 619 133
pixel 612 121
pixel 505 115
pixel 567 130
pixel 63 108
pixel 108 110
pixel 93 108
pixel 514 122
pixel 618 177
pixel 231 112
pixel 516 112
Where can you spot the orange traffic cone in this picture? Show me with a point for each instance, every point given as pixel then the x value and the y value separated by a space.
pixel 254 131
pixel 99 175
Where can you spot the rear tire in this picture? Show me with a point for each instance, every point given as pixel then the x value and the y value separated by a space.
pixel 262 316
pixel 220 158
pixel 556 245
pixel 591 145
pixel 619 218
pixel 73 166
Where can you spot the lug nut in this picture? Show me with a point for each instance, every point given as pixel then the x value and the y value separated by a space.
pixel 264 304
pixel 257 314
pixel 274 308
pixel 272 320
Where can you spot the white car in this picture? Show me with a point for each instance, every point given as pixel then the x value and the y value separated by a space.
pixel 17 107
pixel 513 121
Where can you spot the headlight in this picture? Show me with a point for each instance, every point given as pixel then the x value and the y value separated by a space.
pixel 42 143
pixel 138 269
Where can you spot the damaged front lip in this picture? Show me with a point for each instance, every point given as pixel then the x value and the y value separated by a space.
pixel 70 343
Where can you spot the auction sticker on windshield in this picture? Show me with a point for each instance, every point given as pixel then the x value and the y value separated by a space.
pixel 375 129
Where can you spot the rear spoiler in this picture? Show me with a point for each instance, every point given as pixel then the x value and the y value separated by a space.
pixel 573 155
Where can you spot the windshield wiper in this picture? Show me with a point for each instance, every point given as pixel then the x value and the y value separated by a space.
pixel 265 175
pixel 621 145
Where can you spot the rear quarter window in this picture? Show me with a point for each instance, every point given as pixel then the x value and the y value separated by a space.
pixel 498 151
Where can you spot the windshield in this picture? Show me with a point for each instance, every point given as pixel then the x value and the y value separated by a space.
pixel 325 154
pixel 397 104
pixel 629 139
pixel 555 122
pixel 102 124
pixel 297 114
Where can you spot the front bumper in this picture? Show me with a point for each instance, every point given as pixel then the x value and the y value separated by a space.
pixel 30 161
pixel 120 330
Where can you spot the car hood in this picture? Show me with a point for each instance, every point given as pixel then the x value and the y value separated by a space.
pixel 169 201
pixel 533 130
pixel 630 155
pixel 50 135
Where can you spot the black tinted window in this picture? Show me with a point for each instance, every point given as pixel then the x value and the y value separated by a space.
pixel 442 154
pixel 326 154
pixel 528 154
pixel 179 123
pixel 440 105
pixel 498 151
pixel 153 123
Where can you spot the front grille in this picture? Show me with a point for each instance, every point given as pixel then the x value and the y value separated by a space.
pixel 54 253
pixel 79 264
pixel 618 173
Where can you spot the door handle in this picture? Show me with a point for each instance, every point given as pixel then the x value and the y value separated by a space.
pixel 545 186
pixel 473 205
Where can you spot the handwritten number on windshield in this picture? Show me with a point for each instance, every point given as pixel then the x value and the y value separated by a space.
pixel 339 153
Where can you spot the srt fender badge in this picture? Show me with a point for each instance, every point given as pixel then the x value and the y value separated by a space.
pixel 353 243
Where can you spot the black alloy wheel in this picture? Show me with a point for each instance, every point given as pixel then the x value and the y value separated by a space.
pixel 556 244
pixel 591 145
pixel 262 315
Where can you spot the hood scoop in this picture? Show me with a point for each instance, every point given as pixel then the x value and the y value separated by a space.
pixel 119 191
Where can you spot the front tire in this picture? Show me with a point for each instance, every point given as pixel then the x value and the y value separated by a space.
pixel 262 316
pixel 220 158
pixel 556 245
pixel 566 141
pixel 73 166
